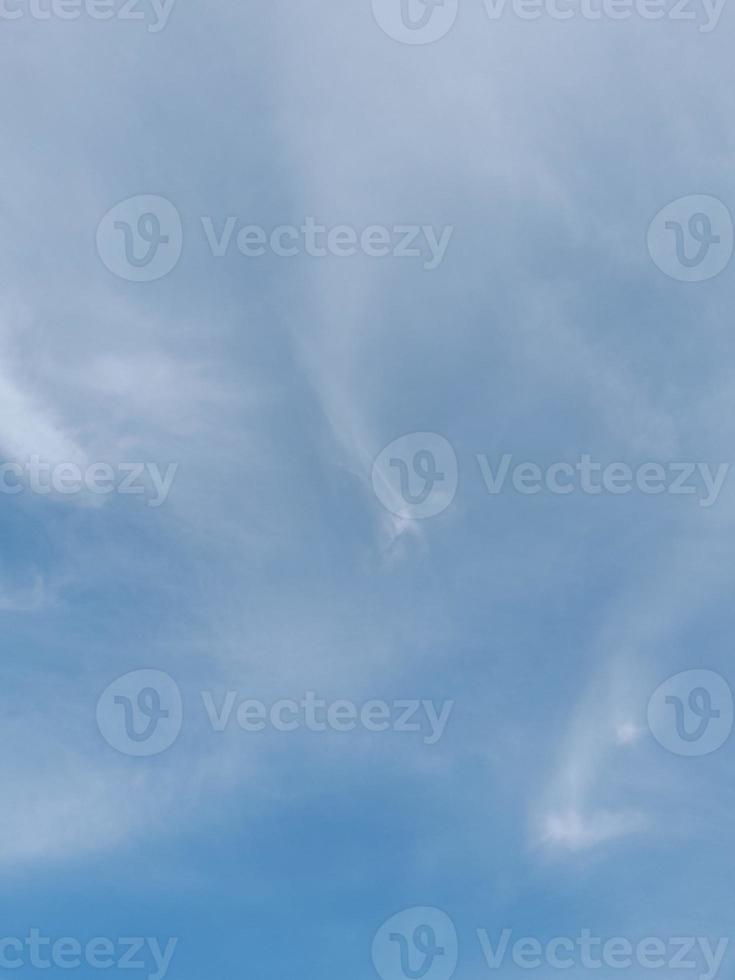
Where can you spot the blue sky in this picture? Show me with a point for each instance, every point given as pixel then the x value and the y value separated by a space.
pixel 272 569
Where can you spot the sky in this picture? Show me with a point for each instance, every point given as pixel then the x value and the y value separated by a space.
pixel 302 286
